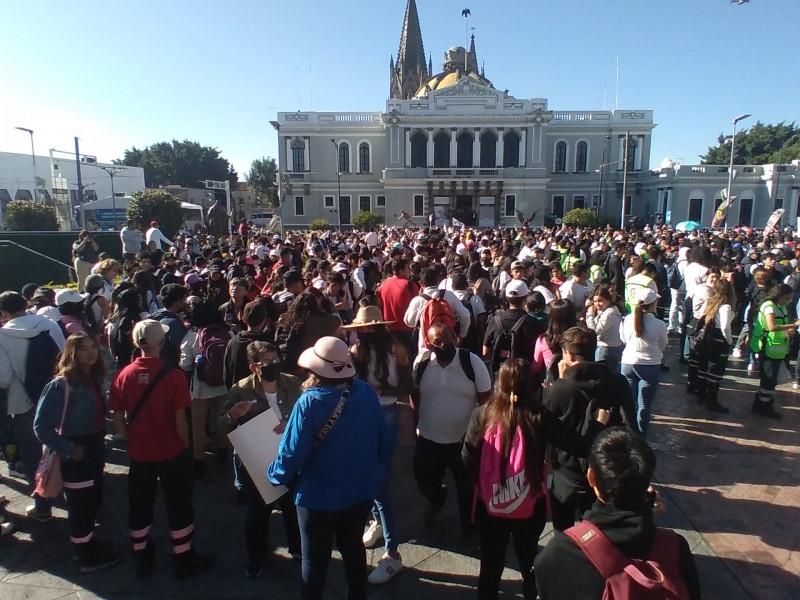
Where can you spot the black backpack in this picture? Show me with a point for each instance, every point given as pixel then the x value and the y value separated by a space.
pixel 505 346
pixel 471 341
pixel 95 328
pixel 464 359
pixel 674 278
pixel 40 364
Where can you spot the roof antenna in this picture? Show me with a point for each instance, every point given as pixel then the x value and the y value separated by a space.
pixel 310 85
pixel 466 13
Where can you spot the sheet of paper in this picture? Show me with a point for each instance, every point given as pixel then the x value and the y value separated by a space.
pixel 257 444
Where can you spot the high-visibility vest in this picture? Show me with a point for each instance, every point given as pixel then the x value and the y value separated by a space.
pixel 774 344
pixel 632 286
pixel 595 273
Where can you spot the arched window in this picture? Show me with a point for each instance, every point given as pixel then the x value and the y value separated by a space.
pixel 298 155
pixel 441 150
pixel 511 150
pixel 344 157
pixel 488 150
pixel 581 154
pixel 363 158
pixel 560 162
pixel 464 150
pixel 419 150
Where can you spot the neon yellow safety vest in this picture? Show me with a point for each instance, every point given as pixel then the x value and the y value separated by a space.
pixel 632 286
pixel 774 344
pixel 595 273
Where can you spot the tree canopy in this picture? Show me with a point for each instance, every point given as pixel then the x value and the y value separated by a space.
pixel 183 163
pixel 761 144
pixel 30 216
pixel 261 179
pixel 156 205
pixel 583 217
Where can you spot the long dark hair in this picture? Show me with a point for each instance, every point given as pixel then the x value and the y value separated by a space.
pixel 302 306
pixel 127 304
pixel 382 343
pixel 68 368
pixel 562 317
pixel 516 404
pixel 775 292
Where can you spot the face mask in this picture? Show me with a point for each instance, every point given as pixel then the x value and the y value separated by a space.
pixel 270 373
pixel 445 353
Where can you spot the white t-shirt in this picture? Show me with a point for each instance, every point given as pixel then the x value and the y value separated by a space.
pixel 645 350
pixel 575 292
pixel 448 397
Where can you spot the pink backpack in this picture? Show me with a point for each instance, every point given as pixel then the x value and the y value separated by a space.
pixel 507 494
pixel 656 578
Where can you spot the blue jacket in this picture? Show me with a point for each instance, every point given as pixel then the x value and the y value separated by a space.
pixel 345 468
pixel 79 420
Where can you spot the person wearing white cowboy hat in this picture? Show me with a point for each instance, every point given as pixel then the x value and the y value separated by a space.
pixel 645 337
pixel 382 361
pixel 333 449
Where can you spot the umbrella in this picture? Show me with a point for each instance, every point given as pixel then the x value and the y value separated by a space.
pixel 688 226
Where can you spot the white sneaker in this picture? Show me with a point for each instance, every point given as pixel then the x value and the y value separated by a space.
pixel 751 368
pixel 6 527
pixel 373 534
pixel 737 353
pixel 796 385
pixel 387 568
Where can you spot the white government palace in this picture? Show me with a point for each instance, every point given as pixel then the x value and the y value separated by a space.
pixel 451 145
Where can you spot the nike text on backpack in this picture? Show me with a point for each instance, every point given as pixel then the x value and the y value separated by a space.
pixel 40 362
pixel 505 345
pixel 656 578
pixel 504 485
pixel 436 310
pixel 211 361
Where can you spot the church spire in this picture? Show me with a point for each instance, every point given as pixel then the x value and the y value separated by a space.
pixel 472 56
pixel 410 69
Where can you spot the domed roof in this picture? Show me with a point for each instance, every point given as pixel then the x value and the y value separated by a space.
pixel 449 78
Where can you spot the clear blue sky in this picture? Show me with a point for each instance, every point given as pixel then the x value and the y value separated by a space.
pixel 122 74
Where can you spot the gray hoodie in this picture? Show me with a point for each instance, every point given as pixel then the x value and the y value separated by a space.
pixel 14 337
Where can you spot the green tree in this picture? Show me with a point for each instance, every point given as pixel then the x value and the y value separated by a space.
pixel 183 163
pixel 30 216
pixel 585 217
pixel 367 220
pixel 156 205
pixel 261 179
pixel 318 225
pixel 761 144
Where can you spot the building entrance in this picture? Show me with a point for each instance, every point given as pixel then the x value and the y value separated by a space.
pixel 463 211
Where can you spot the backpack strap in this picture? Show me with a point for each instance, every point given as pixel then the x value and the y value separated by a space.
pixel 519 324
pixel 421 368
pixel 140 404
pixel 466 363
pixel 602 553
pixel 666 548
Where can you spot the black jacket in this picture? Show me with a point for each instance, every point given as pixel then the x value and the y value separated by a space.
pixel 236 365
pixel 564 572
pixel 569 397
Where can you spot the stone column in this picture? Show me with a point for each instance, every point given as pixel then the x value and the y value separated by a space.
pixel 500 148
pixel 476 148
pixel 289 154
pixel 523 146
pixel 430 149
pixel 453 148
pixel 408 148
pixel 307 153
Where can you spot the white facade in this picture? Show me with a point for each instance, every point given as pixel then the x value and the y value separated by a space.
pixel 58 181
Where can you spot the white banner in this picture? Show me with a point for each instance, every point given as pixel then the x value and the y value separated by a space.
pixel 256 443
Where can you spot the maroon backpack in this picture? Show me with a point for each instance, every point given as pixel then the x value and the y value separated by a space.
pixel 657 577
pixel 211 361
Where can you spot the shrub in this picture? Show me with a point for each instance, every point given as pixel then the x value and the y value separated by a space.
pixel 580 216
pixel 30 216
pixel 318 225
pixel 367 220
pixel 156 205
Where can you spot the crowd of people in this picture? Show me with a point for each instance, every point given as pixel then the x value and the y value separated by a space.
pixel 528 359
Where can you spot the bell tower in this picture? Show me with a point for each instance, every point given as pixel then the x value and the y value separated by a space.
pixel 409 71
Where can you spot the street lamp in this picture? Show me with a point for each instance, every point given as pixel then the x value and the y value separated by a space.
pixel 730 166
pixel 111 172
pixel 33 160
pixel 601 170
pixel 338 185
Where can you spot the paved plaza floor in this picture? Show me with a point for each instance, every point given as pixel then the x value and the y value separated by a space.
pixel 731 483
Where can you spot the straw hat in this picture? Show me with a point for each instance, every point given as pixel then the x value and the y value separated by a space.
pixel 368 316
pixel 328 358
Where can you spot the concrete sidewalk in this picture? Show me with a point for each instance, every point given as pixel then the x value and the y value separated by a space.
pixel 732 485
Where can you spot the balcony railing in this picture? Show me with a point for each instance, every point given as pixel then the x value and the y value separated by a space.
pixel 459 172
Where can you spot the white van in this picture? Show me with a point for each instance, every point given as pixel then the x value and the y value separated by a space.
pixel 261 219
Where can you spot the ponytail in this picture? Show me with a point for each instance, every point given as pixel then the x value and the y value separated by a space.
pixel 638 320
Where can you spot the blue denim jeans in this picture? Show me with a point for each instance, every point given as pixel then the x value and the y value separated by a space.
pixel 318 528
pixel 611 355
pixel 643 380
pixel 383 507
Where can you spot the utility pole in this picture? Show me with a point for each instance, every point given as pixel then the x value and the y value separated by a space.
pixel 80 183
pixel 625 180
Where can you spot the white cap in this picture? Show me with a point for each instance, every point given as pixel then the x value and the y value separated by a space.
pixel 516 288
pixel 645 296
pixel 66 296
